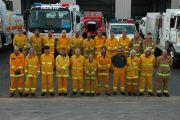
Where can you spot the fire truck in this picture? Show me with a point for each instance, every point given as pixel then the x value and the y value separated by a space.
pixel 92 22
pixel 166 32
pixel 10 22
pixel 55 18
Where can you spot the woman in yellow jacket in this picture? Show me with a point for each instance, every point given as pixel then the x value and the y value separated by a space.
pixel 90 75
pixel 62 71
pixel 132 73
pixel 32 70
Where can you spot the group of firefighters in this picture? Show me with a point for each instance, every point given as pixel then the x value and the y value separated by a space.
pixel 132 61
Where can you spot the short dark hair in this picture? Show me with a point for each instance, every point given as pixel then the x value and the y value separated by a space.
pixel 46 47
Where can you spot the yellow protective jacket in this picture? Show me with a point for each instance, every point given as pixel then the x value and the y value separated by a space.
pixel 32 66
pixel 164 66
pixel 124 44
pixel 63 42
pixel 88 47
pixel 36 43
pixel 99 42
pixel 16 63
pixel 136 44
pixel 62 66
pixel 76 42
pixel 147 65
pixel 132 68
pixel 90 70
pixel 149 44
pixel 77 64
pixel 112 46
pixel 47 64
pixel 104 65
pixel 49 42
pixel 20 41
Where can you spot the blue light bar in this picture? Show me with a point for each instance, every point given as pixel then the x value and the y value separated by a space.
pixel 36 4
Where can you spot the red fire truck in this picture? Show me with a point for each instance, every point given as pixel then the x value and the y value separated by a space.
pixel 93 21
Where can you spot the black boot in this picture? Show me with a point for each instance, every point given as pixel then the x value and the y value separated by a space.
pixel 82 93
pixel 60 94
pixel 21 94
pixel 151 94
pixel 97 94
pixel 129 94
pixel 26 95
pixel 134 94
pixel 123 93
pixel 114 93
pixel 74 93
pixel 65 94
pixel 108 94
pixel 92 94
pixel 43 94
pixel 166 94
pixel 87 94
pixel 11 94
pixel 141 94
pixel 159 94
pixel 52 94
pixel 33 94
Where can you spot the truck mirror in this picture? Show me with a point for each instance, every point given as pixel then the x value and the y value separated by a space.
pixel 77 19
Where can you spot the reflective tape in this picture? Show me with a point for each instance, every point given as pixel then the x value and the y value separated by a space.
pixel 103 74
pixel 164 65
pixel 13 75
pixel 163 75
pixel 77 78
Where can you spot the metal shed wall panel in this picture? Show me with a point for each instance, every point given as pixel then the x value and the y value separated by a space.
pixel 123 9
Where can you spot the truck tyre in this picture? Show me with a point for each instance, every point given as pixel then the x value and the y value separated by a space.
pixel 176 62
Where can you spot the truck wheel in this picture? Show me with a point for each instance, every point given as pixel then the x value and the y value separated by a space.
pixel 176 62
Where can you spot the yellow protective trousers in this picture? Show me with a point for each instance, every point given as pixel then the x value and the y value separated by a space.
pixel 17 82
pixel 47 81
pixel 146 80
pixel 90 85
pixel 78 84
pixel 30 84
pixel 62 84
pixel 161 84
pixel 105 79
pixel 119 73
pixel 132 85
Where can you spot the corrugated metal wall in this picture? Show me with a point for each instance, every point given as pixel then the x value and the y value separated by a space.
pixel 123 9
pixel 17 5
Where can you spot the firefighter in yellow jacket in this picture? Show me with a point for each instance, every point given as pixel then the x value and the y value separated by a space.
pixel 124 42
pixel 90 74
pixel 76 41
pixel 112 45
pixel 77 65
pixel 88 46
pixel 36 43
pixel 62 72
pixel 132 73
pixel 20 40
pixel 49 41
pixel 47 68
pixel 32 70
pixel 104 65
pixel 149 43
pixel 164 63
pixel 147 63
pixel 136 44
pixel 99 41
pixel 63 42
pixel 16 72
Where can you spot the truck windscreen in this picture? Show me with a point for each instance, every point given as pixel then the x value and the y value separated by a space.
pixel 45 19
pixel 118 29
